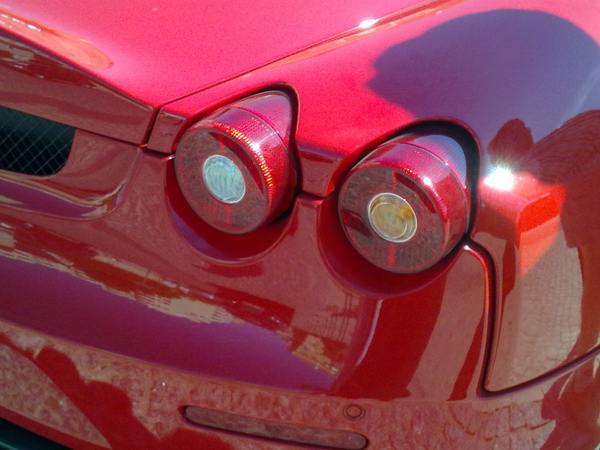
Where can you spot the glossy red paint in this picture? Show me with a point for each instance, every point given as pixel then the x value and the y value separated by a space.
pixel 144 401
pixel 545 231
pixel 125 307
pixel 161 51
pixel 35 82
pixel 193 286
pixel 495 45
pixel 498 48
pixel 193 303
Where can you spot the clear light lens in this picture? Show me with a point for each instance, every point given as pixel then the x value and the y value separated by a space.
pixel 224 179
pixel 392 217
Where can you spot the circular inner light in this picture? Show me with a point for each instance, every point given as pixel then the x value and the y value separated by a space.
pixel 392 217
pixel 224 179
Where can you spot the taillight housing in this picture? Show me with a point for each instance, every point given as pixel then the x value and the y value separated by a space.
pixel 406 205
pixel 235 167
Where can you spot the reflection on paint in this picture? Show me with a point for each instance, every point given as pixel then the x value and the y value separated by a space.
pixel 68 46
pixel 370 26
pixel 367 23
pixel 324 351
pixel 501 178
pixel 28 391
pixel 150 398
pixel 542 212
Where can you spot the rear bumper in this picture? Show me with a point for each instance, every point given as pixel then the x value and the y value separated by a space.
pixel 79 386
pixel 120 309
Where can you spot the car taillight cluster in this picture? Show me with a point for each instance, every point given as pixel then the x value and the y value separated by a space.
pixel 235 167
pixel 404 207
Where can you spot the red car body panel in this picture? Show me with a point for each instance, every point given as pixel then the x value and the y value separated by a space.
pixel 38 83
pixel 142 399
pixel 122 307
pixel 492 49
pixel 162 51
pixel 227 296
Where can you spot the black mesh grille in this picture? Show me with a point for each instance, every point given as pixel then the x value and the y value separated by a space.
pixel 32 145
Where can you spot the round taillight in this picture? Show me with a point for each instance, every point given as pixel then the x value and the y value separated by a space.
pixel 404 207
pixel 235 167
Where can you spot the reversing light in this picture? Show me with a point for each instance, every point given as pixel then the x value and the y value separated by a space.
pixel 392 217
pixel 406 205
pixel 235 167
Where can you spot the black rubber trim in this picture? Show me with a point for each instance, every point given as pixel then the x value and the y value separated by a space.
pixel 13 437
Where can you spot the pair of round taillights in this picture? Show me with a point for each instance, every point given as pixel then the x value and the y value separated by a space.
pixel 403 207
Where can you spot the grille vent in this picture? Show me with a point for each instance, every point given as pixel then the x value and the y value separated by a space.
pixel 32 145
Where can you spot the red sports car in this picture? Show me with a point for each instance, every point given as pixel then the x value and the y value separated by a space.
pixel 300 224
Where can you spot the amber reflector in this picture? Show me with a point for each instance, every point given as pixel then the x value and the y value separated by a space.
pixel 275 430
pixel 235 167
pixel 404 207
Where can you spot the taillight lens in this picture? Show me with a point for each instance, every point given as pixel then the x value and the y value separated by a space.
pixel 235 167
pixel 406 205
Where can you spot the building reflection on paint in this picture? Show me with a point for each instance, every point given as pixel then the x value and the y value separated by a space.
pixel 322 345
pixel 539 208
